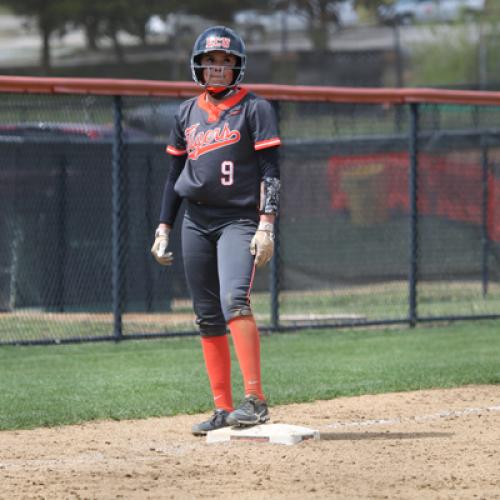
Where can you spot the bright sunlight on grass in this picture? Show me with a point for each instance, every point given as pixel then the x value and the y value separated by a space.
pixel 53 385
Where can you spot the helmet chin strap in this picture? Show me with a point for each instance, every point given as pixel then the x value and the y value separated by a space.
pixel 217 90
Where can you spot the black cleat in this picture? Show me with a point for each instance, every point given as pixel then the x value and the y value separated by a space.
pixel 252 411
pixel 216 421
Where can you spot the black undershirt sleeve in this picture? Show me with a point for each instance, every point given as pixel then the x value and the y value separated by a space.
pixel 269 162
pixel 171 201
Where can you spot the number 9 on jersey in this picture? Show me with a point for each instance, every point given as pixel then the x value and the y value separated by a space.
pixel 227 171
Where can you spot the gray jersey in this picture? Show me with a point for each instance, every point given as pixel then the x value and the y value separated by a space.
pixel 220 141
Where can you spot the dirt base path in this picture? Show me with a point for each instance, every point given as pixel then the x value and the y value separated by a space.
pixel 426 444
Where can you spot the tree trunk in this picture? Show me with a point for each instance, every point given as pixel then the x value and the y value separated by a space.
pixel 120 55
pixel 320 37
pixel 91 33
pixel 143 35
pixel 139 29
pixel 45 63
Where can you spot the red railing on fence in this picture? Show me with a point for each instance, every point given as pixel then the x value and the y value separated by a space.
pixel 106 86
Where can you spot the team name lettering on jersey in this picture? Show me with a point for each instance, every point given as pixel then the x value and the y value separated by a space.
pixel 199 143
pixel 217 42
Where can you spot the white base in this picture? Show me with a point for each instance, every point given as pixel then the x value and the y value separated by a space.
pixel 265 433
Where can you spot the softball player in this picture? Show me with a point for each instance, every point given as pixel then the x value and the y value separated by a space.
pixel 224 163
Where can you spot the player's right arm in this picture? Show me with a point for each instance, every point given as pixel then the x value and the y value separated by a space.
pixel 171 201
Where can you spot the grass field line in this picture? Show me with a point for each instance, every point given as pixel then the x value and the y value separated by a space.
pixel 418 418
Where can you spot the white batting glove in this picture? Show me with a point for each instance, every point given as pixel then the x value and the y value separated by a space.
pixel 159 248
pixel 262 244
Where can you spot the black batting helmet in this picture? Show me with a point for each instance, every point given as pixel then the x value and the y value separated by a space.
pixel 218 38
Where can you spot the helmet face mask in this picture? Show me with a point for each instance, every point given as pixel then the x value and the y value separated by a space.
pixel 223 39
pixel 213 69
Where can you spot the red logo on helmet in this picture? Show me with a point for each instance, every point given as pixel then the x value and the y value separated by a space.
pixel 218 42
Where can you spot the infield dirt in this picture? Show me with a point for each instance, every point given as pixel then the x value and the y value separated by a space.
pixel 425 444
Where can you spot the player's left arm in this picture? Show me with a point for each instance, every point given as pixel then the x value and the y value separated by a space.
pixel 263 242
pixel 264 127
pixel 270 184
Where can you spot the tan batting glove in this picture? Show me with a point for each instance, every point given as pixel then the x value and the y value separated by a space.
pixel 159 248
pixel 262 244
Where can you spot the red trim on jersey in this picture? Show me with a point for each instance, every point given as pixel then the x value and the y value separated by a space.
pixel 215 110
pixel 267 143
pixel 171 150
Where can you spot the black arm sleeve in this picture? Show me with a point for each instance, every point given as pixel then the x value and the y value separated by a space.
pixel 171 201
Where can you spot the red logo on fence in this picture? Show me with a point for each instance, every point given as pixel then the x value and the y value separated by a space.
pixel 451 188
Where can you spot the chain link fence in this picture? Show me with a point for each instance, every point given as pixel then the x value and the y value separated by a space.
pixel 390 214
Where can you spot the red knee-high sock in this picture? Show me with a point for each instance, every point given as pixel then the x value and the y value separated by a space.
pixel 247 346
pixel 218 363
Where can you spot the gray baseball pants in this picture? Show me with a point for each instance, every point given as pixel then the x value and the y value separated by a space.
pixel 218 265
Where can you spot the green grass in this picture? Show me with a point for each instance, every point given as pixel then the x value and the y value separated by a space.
pixel 390 301
pixel 30 328
pixel 53 385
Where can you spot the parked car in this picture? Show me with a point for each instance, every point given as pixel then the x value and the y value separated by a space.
pixel 255 25
pixel 412 11
pixel 344 12
pixel 157 120
pixel 67 132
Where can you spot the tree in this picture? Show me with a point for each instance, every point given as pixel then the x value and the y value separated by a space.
pixel 372 5
pixel 50 16
pixel 321 16
pixel 89 15
pixel 106 18
pixel 101 19
pixel 225 9
pixel 139 15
